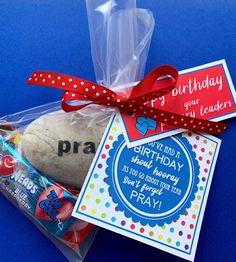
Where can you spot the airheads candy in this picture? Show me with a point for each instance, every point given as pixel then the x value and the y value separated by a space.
pixel 7 165
pixel 22 179
pixel 49 204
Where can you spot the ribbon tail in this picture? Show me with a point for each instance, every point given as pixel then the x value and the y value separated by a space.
pixel 70 108
pixel 149 88
pixel 181 121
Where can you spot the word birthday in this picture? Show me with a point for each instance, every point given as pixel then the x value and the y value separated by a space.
pixel 194 85
pixel 154 156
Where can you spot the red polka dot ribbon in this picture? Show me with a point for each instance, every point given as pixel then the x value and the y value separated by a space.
pixel 148 89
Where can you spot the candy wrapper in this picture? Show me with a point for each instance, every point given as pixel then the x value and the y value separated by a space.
pixel 47 203
pixel 45 153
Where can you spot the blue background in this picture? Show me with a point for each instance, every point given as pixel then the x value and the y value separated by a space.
pixel 53 35
pixel 120 156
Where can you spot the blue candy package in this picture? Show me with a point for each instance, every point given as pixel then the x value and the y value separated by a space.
pixel 46 202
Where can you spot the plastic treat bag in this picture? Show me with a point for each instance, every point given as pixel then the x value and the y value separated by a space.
pixel 46 153
pixel 47 203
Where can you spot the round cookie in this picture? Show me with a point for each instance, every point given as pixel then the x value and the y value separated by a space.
pixel 62 145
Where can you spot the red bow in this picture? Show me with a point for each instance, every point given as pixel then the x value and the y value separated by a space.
pixel 145 91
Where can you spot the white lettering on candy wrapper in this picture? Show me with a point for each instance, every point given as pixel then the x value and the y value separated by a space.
pixel 25 181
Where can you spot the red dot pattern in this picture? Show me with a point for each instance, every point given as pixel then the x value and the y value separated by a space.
pixel 79 89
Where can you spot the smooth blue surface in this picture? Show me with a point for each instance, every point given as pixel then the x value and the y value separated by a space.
pixel 53 35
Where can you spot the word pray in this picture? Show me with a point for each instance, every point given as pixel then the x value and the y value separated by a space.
pixel 144 200
pixel 65 146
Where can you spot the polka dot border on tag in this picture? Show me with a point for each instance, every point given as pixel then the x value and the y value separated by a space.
pixel 179 234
